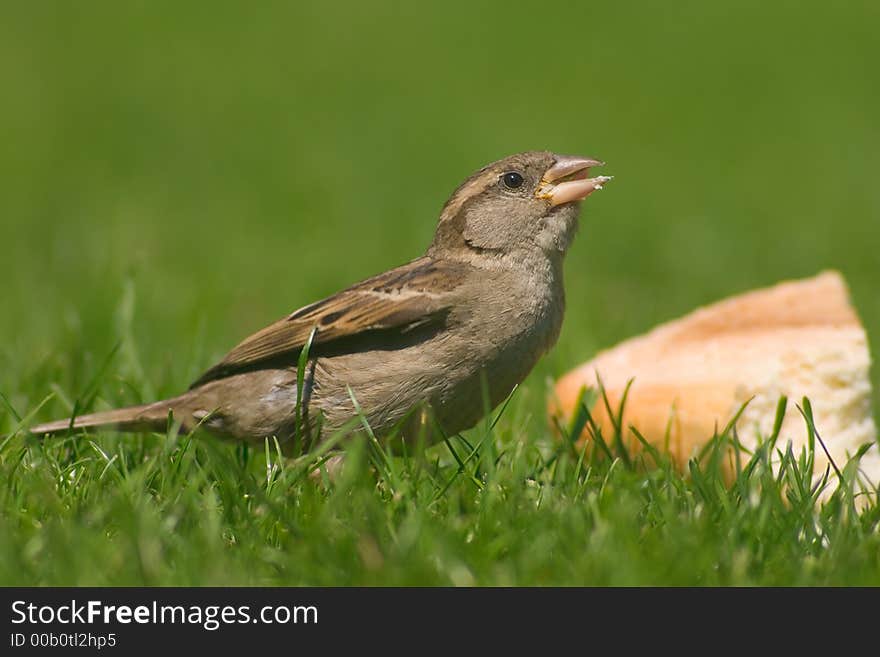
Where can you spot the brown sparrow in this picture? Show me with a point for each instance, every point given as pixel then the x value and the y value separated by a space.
pixel 426 339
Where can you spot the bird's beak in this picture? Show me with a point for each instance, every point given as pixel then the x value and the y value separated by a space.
pixel 567 180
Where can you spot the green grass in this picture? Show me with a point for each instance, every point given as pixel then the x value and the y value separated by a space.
pixel 171 180
pixel 498 508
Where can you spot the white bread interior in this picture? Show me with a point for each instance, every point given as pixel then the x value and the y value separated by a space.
pixel 798 339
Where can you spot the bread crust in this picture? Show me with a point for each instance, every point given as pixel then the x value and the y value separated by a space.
pixel 692 375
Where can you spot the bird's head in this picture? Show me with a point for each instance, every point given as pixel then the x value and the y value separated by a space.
pixel 526 201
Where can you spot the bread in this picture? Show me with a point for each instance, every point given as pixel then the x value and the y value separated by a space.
pixel 798 339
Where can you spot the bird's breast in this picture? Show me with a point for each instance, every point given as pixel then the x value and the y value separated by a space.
pixel 519 321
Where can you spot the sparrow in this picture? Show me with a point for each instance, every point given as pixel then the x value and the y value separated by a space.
pixel 415 349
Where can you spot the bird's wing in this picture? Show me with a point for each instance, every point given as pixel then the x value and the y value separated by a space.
pixel 413 295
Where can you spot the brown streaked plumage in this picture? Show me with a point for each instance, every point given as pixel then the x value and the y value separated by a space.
pixel 483 304
pixel 401 299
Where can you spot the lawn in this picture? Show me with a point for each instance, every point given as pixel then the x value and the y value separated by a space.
pixel 172 180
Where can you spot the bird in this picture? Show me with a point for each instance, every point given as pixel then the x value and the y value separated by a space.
pixel 421 349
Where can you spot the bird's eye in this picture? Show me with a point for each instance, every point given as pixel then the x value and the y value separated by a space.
pixel 512 180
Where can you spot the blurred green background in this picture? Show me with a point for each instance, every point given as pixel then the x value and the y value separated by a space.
pixel 177 175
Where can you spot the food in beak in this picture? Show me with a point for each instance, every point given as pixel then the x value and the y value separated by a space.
pixel 567 180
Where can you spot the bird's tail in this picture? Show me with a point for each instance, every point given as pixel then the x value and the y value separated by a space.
pixel 147 417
